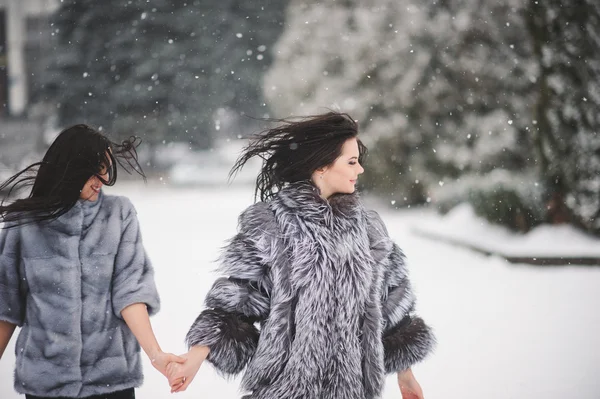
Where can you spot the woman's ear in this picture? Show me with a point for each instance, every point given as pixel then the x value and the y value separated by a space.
pixel 318 174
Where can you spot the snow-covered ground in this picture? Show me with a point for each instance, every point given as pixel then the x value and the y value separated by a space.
pixel 462 225
pixel 504 331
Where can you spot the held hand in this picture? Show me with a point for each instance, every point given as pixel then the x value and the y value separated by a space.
pixel 181 375
pixel 160 360
pixel 175 383
pixel 409 387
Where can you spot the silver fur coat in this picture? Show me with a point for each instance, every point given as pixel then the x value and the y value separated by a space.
pixel 329 292
pixel 65 283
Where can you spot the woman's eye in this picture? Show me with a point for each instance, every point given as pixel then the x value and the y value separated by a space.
pixel 352 162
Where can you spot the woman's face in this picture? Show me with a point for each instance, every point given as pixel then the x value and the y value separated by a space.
pixel 341 175
pixel 91 188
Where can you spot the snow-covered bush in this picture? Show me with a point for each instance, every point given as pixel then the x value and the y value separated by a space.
pixel 515 201
pixel 445 90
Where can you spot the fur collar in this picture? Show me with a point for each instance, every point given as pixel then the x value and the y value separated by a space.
pixel 303 199
pixel 79 217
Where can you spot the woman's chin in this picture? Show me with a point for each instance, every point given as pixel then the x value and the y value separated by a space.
pixel 90 197
pixel 348 190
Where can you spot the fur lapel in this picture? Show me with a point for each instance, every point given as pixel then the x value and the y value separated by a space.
pixel 302 200
pixel 330 274
pixel 328 240
pixel 330 291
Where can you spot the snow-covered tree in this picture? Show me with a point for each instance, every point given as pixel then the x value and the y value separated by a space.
pixel 477 96
pixel 425 79
pixel 566 39
pixel 161 68
pixel 355 56
pixel 446 93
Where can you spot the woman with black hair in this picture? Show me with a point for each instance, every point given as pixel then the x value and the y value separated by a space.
pixel 74 274
pixel 317 272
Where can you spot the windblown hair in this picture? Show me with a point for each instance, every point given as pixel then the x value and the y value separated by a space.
pixel 78 153
pixel 298 147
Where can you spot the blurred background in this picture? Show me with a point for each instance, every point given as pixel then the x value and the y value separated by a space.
pixel 494 103
pixel 482 118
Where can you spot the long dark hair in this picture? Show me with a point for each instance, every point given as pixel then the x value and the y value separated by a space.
pixel 298 147
pixel 78 153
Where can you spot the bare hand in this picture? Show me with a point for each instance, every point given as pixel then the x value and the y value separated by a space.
pixel 181 375
pixel 409 387
pixel 160 360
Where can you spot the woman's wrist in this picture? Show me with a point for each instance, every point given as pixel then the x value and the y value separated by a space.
pixel 405 374
pixel 199 352
pixel 154 352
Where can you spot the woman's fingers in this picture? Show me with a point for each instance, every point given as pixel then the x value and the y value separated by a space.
pixel 176 389
pixel 176 382
pixel 176 359
pixel 185 384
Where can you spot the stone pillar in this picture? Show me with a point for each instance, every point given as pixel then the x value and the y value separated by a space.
pixel 17 78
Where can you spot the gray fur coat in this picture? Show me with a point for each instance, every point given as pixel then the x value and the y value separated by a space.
pixel 65 283
pixel 330 293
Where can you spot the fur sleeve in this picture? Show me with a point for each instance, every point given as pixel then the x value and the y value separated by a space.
pixel 133 275
pixel 12 301
pixel 406 338
pixel 237 301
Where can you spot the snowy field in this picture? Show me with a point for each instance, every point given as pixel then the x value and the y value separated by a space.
pixel 504 331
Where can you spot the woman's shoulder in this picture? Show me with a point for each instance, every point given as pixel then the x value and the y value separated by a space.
pixel 120 204
pixel 257 211
pixel 257 218
pixel 9 236
pixel 375 224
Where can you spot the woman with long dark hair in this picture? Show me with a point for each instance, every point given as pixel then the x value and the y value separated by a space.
pixel 74 274
pixel 318 274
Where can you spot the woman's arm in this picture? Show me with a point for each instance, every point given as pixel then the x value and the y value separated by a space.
pixel 409 387
pixel 225 333
pixel 406 338
pixel 134 293
pixel 137 319
pixel 133 275
pixel 12 298
pixel 6 331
